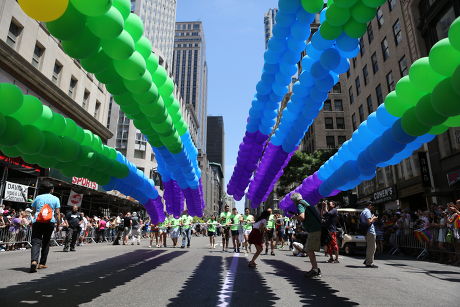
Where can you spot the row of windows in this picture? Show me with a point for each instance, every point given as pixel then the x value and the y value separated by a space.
pixel 330 141
pixel 338 105
pixel 339 122
pixel 183 26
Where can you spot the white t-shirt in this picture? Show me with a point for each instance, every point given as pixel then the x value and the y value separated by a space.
pixel 260 224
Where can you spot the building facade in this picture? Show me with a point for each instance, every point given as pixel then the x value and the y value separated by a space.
pixel 216 140
pixel 269 23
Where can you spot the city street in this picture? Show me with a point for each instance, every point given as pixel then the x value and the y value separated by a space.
pixel 106 275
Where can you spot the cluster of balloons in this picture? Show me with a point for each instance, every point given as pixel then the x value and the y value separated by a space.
pixel 154 208
pixel 174 198
pixel 290 33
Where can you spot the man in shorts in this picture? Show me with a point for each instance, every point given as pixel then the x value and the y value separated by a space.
pixel 309 216
pixel 248 220
pixel 236 220
pixel 175 225
pixel 224 221
pixel 270 233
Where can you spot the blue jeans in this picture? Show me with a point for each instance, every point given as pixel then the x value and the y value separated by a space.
pixel 186 234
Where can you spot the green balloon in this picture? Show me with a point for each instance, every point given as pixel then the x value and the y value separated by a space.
pixel 131 110
pixel 123 6
pixel 176 117
pixel 30 111
pixel 444 58
pixel 83 46
pixel 139 86
pixel 70 171
pixel 176 148
pixel 107 26
pixel 45 119
pixel 119 48
pixel 164 126
pixel 132 68
pixel 103 179
pixel 12 134
pixel 313 6
pixel 454 34
pixel 155 141
pixel 112 154
pixel 96 63
pixel 423 76
pixel 47 162
pixel 125 99
pixel 144 47
pixel 373 3
pixel 69 151
pixel 2 124
pixel 169 100
pixel 154 110
pixel 70 128
pixel 32 141
pixel 116 86
pixel 52 145
pixel 69 25
pixel 120 170
pixel 92 7
pixel 31 159
pixel 97 144
pixel 160 76
pixel 152 63
pixel 108 75
pixel 151 96
pixel 394 106
pixel 11 98
pixel 345 3
pixel 134 26
pixel 453 121
pixel 456 80
pixel 11 151
pixel 362 14
pixel 354 29
pixel 88 139
pixel 58 124
pixel 411 125
pixel 445 100
pixel 85 155
pixel 407 93
pixel 337 16
pixel 438 130
pixel 426 114
pixel 142 123
pixel 174 107
pixel 79 135
pixel 181 128
pixel 167 88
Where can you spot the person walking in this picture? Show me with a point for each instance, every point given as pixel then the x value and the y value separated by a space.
pixel 83 226
pixel 256 237
pixel 309 216
pixel 248 221
pixel 163 231
pixel 236 219
pixel 331 216
pixel 100 232
pixel 175 229
pixel 74 221
pixel 120 228
pixel 366 226
pixel 136 229
pixel 270 233
pixel 225 221
pixel 46 208
pixel 212 225
pixel 186 223
pixel 127 222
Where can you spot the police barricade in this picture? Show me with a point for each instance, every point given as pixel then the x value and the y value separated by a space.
pixel 14 238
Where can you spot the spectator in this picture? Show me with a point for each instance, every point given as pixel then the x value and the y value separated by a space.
pixel 74 221
pixel 136 229
pixel 366 221
pixel 127 222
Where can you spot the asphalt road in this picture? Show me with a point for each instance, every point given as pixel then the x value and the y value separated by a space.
pixel 105 275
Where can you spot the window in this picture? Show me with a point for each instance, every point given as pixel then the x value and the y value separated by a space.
pixel 350 94
pixel 341 139
pixel 358 86
pixel 361 46
pixel 365 75
pixel 391 4
pixel 14 33
pixel 370 33
pixel 338 105
pixel 86 100
pixel 380 20
pixel 354 62
pixel 97 110
pixel 443 25
pixel 340 122
pixel 72 86
pixel 330 141
pixel 337 89
pixel 397 32
pixel 37 57
pixel 403 66
pixel 329 123
pixel 370 106
pixel 139 154
pixel 390 82
pixel 353 121
pixel 57 72
pixel 361 113
pixel 378 92
pixel 375 65
pixel 385 49
pixel 327 105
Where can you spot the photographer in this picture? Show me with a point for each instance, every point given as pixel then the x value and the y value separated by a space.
pixel 366 227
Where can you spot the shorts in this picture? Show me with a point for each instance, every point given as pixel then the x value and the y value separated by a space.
pixel 247 232
pixel 256 237
pixel 211 233
pixel 163 230
pixel 313 242
pixel 126 231
pixel 269 233
pixel 235 233
pixel 226 232
pixel 174 233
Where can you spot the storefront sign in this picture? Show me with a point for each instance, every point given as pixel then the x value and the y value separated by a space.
pixel 84 183
pixel 16 192
pixel 385 195
pixel 453 177
pixel 424 169
pixel 75 199
pixel 19 165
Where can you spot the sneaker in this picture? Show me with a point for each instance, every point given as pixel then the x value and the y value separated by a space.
pixel 234 250
pixel 182 247
pixel 372 266
pixel 65 250
pixel 266 252
pixel 150 246
pixel 313 273
pixel 272 253
pixel 138 243
pixel 33 268
pixel 73 250
pixel 42 266
pixel 238 250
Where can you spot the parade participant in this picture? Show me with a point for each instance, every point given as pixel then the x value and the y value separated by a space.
pixel 163 231
pixel 186 223
pixel 330 216
pixel 236 219
pixel 311 222
pixel 248 220
pixel 83 226
pixel 46 206
pixel 290 227
pixel 136 223
pixel 127 222
pixel 270 233
pixel 120 228
pixel 280 228
pixel 366 220
pixel 74 220
pixel 175 225
pixel 224 221
pixel 211 224
pixel 256 236
pixel 154 233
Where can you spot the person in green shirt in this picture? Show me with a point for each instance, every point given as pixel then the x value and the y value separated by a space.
pixel 236 220
pixel 174 224
pixel 212 227
pixel 270 233
pixel 186 223
pixel 225 221
pixel 248 220
pixel 309 216
pixel 163 228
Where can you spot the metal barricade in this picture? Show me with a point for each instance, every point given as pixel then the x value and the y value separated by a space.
pixel 14 237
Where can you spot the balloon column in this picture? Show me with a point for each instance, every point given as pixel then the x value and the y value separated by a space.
pixel 108 41
pixel 32 131
pixel 424 104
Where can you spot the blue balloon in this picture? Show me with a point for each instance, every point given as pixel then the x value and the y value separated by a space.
pixel 265 129
pixel 289 6
pixel 330 59
pixel 279 90
pixel 300 89
pixel 385 118
pixel 425 138
pixel 325 84
pixel 263 88
pixel 281 32
pixel 274 99
pixel 284 19
pixel 318 71
pixel 307 63
pixel 267 77
pixel 290 57
pixel 307 79
pixel 350 54
pixel 343 66
pixel 270 68
pixel 300 30
pixel 374 124
pixel 321 43
pixel 305 17
pixel 276 140
pixel 400 135
pixel 254 113
pixel 346 43
pixel 317 96
pixel 277 45
pixel 272 57
pixel 282 79
pixel 312 52
pixel 255 104
pixel 269 114
pixel 263 98
pixel 288 69
pixel 322 15
pixel 296 45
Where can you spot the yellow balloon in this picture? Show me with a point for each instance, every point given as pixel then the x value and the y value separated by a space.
pixel 44 10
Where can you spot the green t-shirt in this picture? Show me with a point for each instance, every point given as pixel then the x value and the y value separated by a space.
pixel 212 225
pixel 164 224
pixel 311 223
pixel 235 221
pixel 174 223
pixel 225 218
pixel 248 220
pixel 271 222
pixel 186 221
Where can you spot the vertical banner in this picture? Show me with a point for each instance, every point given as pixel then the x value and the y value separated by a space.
pixel 424 169
pixel 75 199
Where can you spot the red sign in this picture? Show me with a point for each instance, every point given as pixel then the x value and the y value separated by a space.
pixel 19 164
pixel 84 183
pixel 453 177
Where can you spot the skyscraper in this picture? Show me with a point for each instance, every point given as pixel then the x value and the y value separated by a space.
pixel 159 17
pixel 191 72
pixel 215 140
pixel 269 23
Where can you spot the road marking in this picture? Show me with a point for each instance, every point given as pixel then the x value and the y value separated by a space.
pixel 225 293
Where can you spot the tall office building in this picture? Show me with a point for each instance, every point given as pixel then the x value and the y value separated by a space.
pixel 159 17
pixel 215 140
pixel 269 23
pixel 191 72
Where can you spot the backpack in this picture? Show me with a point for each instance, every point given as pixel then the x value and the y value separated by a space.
pixel 46 214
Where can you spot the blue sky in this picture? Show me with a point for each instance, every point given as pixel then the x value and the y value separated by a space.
pixel 234 32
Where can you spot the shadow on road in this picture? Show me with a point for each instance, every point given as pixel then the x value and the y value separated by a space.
pixel 202 287
pixel 314 292
pixel 83 284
